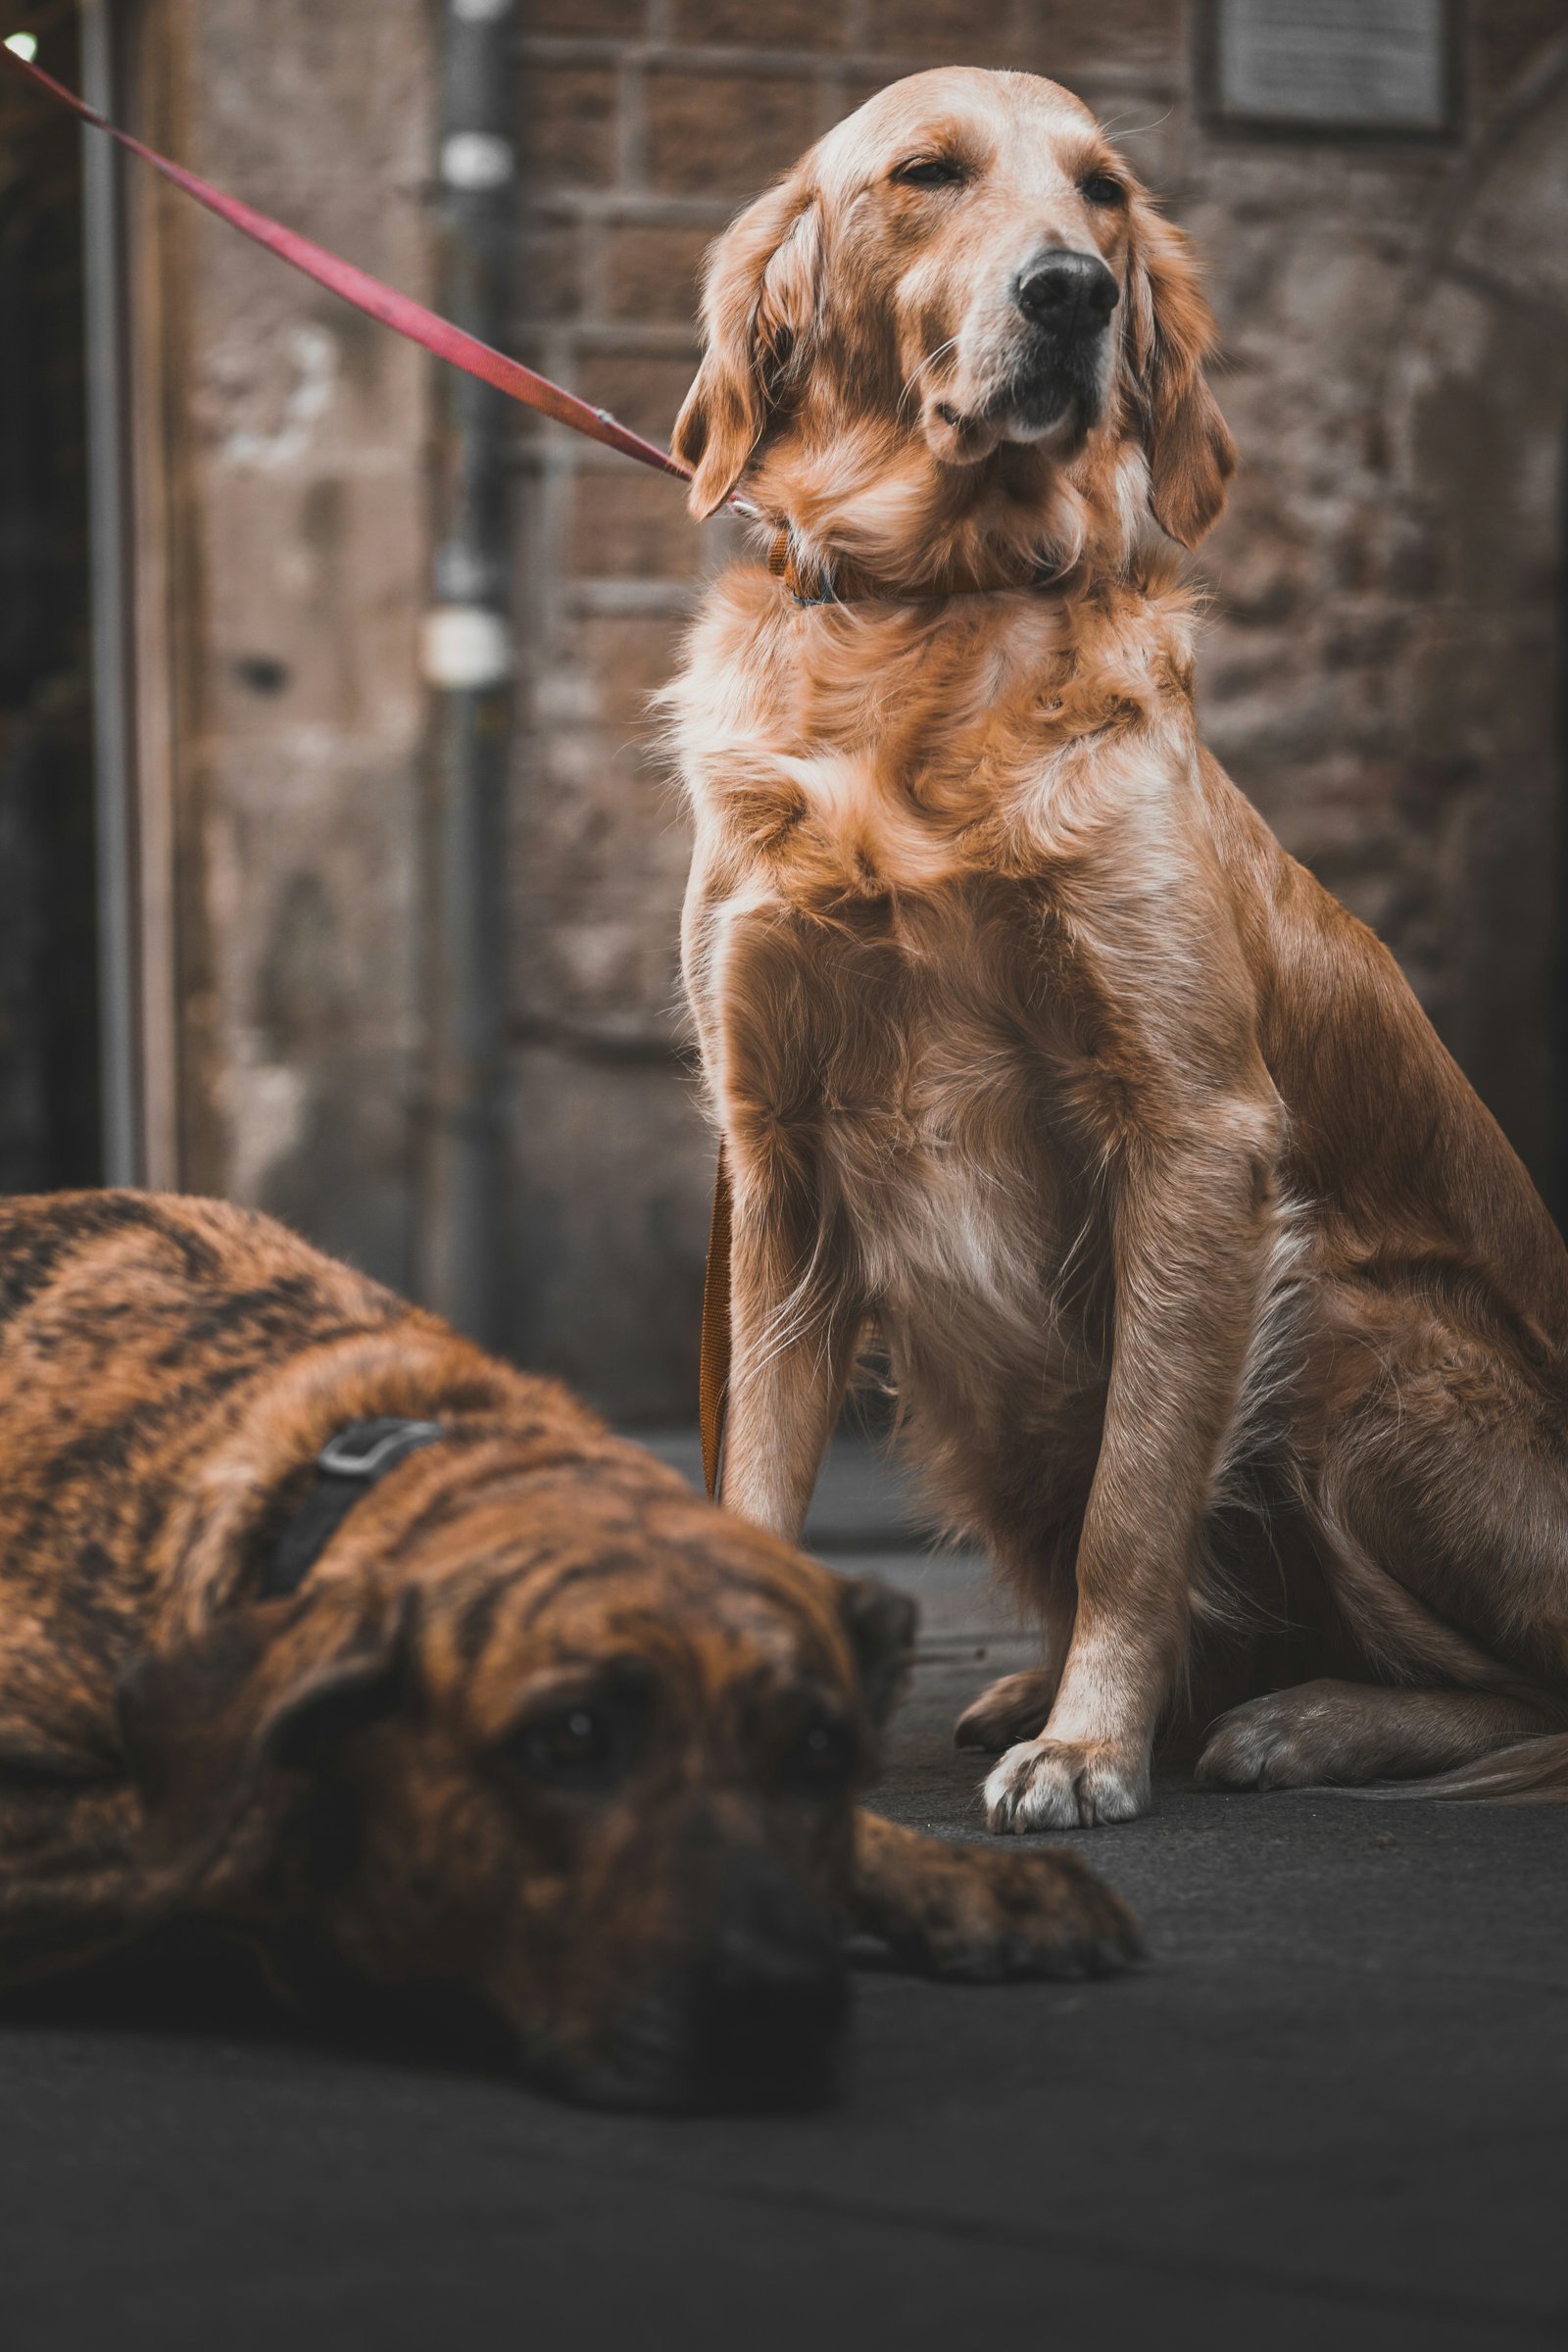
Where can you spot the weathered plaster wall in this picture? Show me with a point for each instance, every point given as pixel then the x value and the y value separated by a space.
pixel 299 551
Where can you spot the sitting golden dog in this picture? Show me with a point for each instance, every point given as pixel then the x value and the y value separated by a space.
pixel 1209 1291
pixel 318 1623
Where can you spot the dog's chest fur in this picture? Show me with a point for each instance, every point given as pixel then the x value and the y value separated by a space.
pixel 893 1009
pixel 915 1082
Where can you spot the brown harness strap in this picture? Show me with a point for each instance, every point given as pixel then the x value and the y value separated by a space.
pixel 712 1378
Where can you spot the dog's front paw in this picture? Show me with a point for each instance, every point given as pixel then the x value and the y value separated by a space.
pixel 1066 1784
pixel 1030 1914
pixel 985 1913
pixel 1014 1708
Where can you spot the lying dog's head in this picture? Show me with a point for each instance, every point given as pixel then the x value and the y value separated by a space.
pixel 589 1753
pixel 960 326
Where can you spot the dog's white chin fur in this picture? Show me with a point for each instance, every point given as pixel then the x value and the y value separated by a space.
pixel 967 439
pixel 1060 432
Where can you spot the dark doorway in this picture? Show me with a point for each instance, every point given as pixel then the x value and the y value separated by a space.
pixel 49 1090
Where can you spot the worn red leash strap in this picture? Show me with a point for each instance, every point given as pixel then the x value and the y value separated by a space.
pixel 367 294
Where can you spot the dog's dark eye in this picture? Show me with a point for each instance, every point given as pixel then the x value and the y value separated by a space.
pixel 823 1760
pixel 577 1746
pixel 1100 189
pixel 929 172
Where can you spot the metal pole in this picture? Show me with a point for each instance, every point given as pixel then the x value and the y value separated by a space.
pixel 124 1156
pixel 1559 1002
pixel 467 665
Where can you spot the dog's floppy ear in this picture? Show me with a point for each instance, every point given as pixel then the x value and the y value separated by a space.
pixel 1171 331
pixel 210 1728
pixel 758 303
pixel 881 1625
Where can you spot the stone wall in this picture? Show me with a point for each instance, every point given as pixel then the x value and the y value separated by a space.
pixel 1380 661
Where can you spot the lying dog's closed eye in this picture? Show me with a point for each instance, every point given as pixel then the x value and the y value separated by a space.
pixel 317 1623
pixel 1210 1292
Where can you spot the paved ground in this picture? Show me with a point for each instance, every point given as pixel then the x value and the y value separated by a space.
pixel 1331 2107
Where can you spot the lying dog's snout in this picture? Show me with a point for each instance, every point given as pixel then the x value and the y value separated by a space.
pixel 1069 293
pixel 753 2018
pixel 767 2003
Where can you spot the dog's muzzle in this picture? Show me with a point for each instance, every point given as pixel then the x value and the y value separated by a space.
pixel 1066 300
pixel 754 2022
pixel 766 2007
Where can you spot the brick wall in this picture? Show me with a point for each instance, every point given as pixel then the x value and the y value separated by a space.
pixel 1379 668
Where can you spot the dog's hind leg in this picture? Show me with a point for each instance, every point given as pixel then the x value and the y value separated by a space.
pixel 1438 1490
pixel 984 1912
pixel 1350 1732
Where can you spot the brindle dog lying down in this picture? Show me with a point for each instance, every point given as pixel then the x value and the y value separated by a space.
pixel 323 1626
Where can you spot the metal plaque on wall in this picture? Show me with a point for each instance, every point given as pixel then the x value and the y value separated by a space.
pixel 1379 67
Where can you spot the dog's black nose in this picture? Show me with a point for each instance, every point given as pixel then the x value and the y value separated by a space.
pixel 767 2005
pixel 1070 293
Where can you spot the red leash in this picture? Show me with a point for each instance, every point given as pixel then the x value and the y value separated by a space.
pixel 367 294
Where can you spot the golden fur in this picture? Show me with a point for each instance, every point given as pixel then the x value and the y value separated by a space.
pixel 1209 1291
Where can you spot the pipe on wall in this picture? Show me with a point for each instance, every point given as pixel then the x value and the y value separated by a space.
pixel 124 1155
pixel 467 667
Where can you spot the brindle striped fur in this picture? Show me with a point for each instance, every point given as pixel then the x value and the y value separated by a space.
pixel 348 1770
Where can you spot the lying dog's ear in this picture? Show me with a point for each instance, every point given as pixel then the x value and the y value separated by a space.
pixel 208 1729
pixel 758 303
pixel 881 1625
pixel 1171 331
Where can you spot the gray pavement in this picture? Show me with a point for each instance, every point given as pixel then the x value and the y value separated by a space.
pixel 1331 2106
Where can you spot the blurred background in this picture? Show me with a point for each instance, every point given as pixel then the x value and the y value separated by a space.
pixel 337 869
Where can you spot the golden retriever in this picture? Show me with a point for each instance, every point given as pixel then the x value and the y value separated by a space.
pixel 1214 1300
